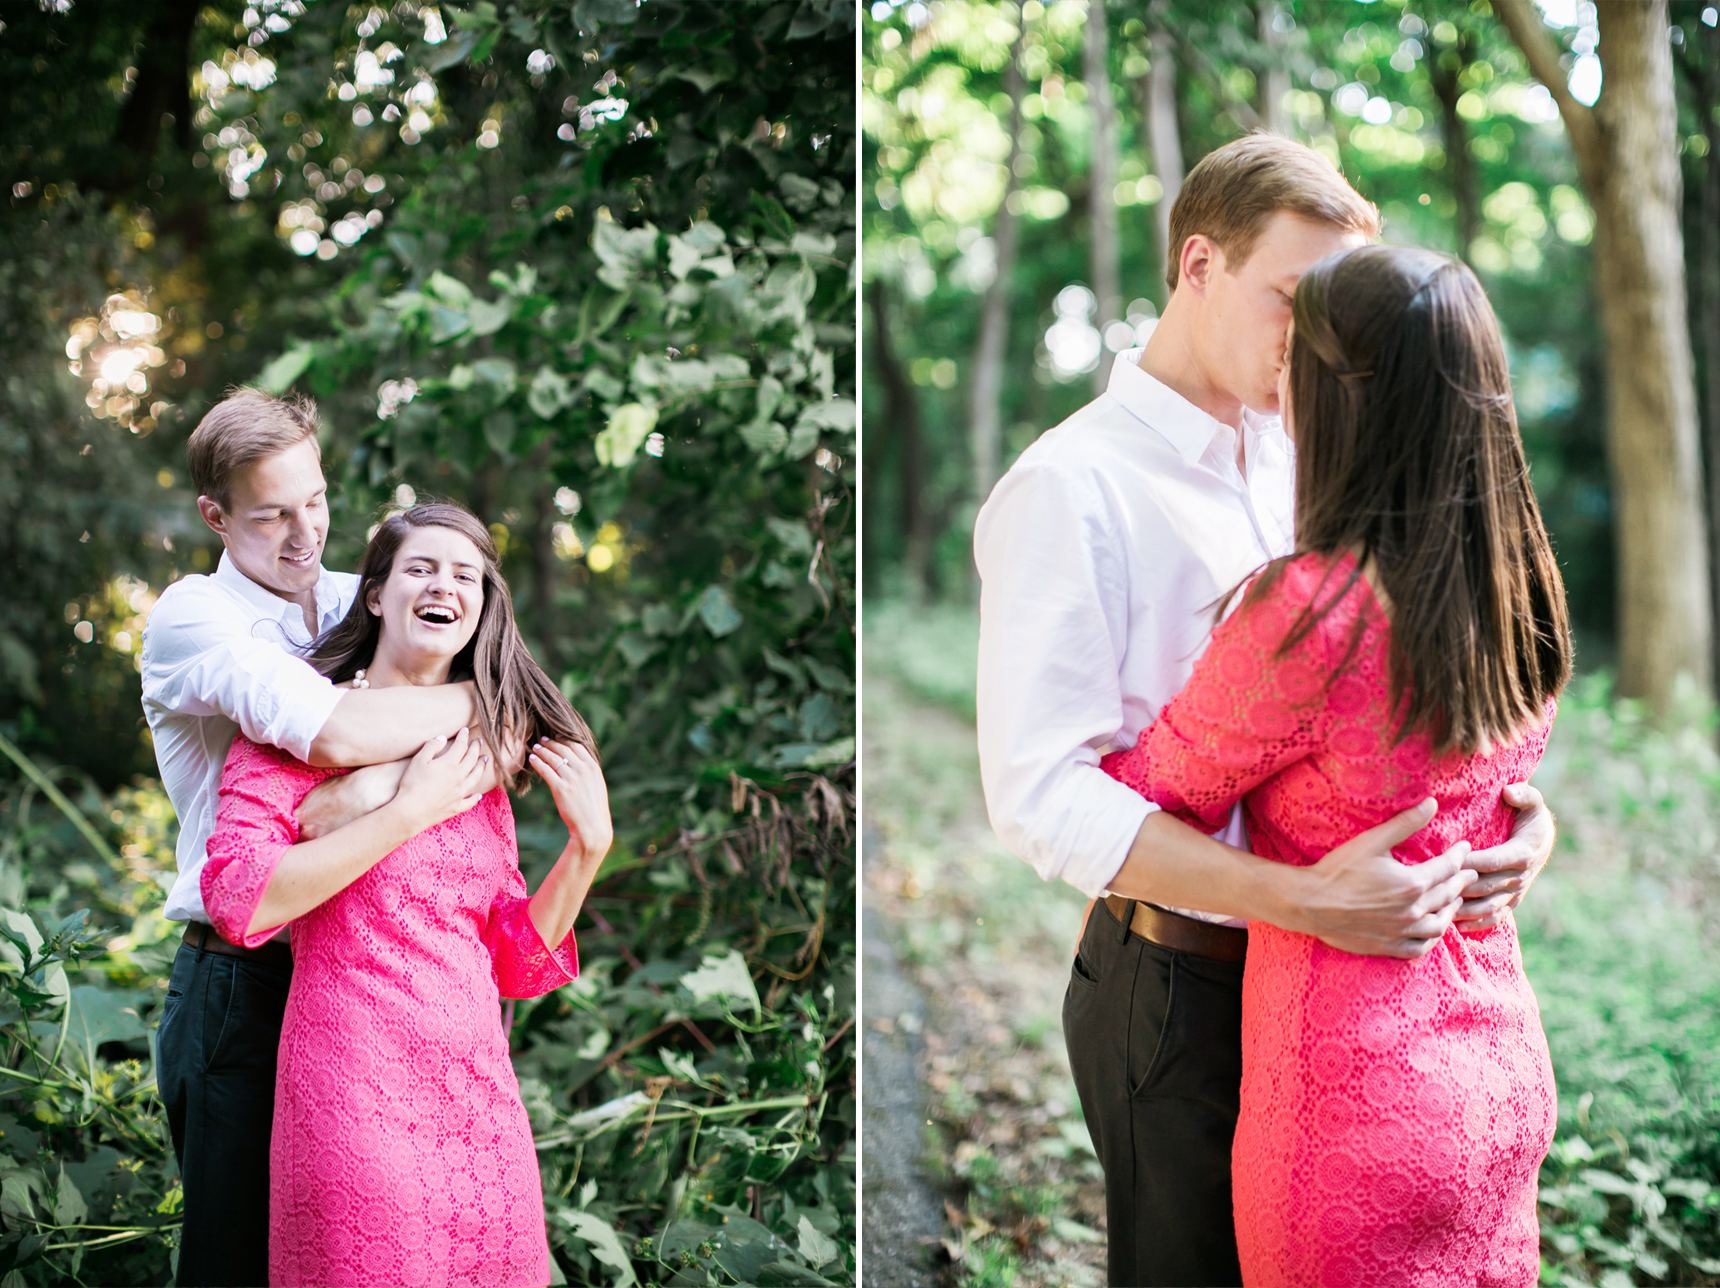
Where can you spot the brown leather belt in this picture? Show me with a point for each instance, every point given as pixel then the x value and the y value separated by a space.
pixel 1184 934
pixel 273 953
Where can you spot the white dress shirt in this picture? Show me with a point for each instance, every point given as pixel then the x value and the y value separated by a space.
pixel 217 659
pixel 1102 554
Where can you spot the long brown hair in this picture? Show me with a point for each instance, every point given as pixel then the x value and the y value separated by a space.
pixel 1407 454
pixel 514 694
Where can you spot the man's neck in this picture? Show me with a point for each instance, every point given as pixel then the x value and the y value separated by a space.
pixel 305 599
pixel 1170 358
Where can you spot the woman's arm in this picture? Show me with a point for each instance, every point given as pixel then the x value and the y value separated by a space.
pixel 576 781
pixel 441 781
pixel 531 942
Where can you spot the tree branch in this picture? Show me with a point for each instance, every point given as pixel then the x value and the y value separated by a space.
pixel 1537 46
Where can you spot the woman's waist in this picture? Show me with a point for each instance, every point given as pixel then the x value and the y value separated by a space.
pixel 1460 976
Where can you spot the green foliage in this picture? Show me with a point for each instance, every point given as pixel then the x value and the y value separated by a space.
pixel 1618 941
pixel 935 109
pixel 587 269
pixel 89 1191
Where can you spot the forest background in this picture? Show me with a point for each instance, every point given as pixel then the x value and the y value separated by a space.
pixel 587 268
pixel 1019 162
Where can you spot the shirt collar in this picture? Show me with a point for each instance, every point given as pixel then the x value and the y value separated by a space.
pixel 268 604
pixel 1183 425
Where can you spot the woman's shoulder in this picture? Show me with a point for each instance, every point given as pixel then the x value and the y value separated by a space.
pixel 249 761
pixel 1327 587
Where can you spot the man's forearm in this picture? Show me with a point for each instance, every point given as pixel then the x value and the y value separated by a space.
pixel 1175 865
pixel 337 801
pixel 370 726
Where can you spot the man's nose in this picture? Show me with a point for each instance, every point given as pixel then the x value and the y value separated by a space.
pixel 304 534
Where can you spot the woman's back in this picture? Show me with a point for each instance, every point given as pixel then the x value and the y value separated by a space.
pixel 1394 1113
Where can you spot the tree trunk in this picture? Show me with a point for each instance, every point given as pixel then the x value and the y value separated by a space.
pixel 902 414
pixel 1627 152
pixel 1707 293
pixel 1459 165
pixel 163 86
pixel 986 399
pixel 1102 204
pixel 1274 82
pixel 1162 129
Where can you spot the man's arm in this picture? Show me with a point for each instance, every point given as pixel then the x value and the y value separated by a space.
pixel 371 726
pixel 335 802
pixel 1357 898
pixel 200 660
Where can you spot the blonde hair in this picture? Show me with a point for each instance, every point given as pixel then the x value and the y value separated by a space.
pixel 243 428
pixel 1235 189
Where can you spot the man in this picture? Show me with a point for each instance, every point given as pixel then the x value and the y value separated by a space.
pixel 217 659
pixel 1102 554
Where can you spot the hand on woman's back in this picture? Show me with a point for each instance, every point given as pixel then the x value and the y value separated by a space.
pixel 445 778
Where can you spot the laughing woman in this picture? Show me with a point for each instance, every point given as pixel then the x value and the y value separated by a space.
pixel 402 1153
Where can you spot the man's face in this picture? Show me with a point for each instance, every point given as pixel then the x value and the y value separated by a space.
pixel 277 524
pixel 1247 314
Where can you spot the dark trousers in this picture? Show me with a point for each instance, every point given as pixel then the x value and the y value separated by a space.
pixel 1155 1044
pixel 216 1050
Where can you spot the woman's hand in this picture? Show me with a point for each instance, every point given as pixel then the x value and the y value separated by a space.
pixel 445 778
pixel 576 782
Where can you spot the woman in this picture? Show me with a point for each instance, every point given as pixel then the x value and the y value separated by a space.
pixel 1394 1113
pixel 401 1151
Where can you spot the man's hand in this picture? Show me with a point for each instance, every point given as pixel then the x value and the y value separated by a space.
pixel 1362 900
pixel 335 802
pixel 1507 871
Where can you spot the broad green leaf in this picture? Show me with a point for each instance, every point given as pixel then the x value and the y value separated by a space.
pixel 23 928
pixel 683 258
pixel 626 432
pixel 810 243
pixel 279 375
pixel 549 393
pixel 498 373
pixel 764 438
pixel 817 1248
pixel 488 318
pixel 480 17
pixel 839 752
pixel 499 430
pixel 798 193
pixel 718 612
pixel 605 1245
pixel 1074 1231
pixel 69 1205
pixel 724 977
pixel 447 323
pixel 449 290
pixel 838 414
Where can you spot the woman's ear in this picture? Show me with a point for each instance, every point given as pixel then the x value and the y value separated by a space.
pixel 370 597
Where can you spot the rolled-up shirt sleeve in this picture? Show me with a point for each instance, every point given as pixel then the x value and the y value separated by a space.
pixel 200 660
pixel 1054 606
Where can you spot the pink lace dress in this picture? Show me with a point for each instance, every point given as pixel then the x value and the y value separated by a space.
pixel 1394 1113
pixel 401 1153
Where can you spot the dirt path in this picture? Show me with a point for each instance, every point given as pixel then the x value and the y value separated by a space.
pixel 967 985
